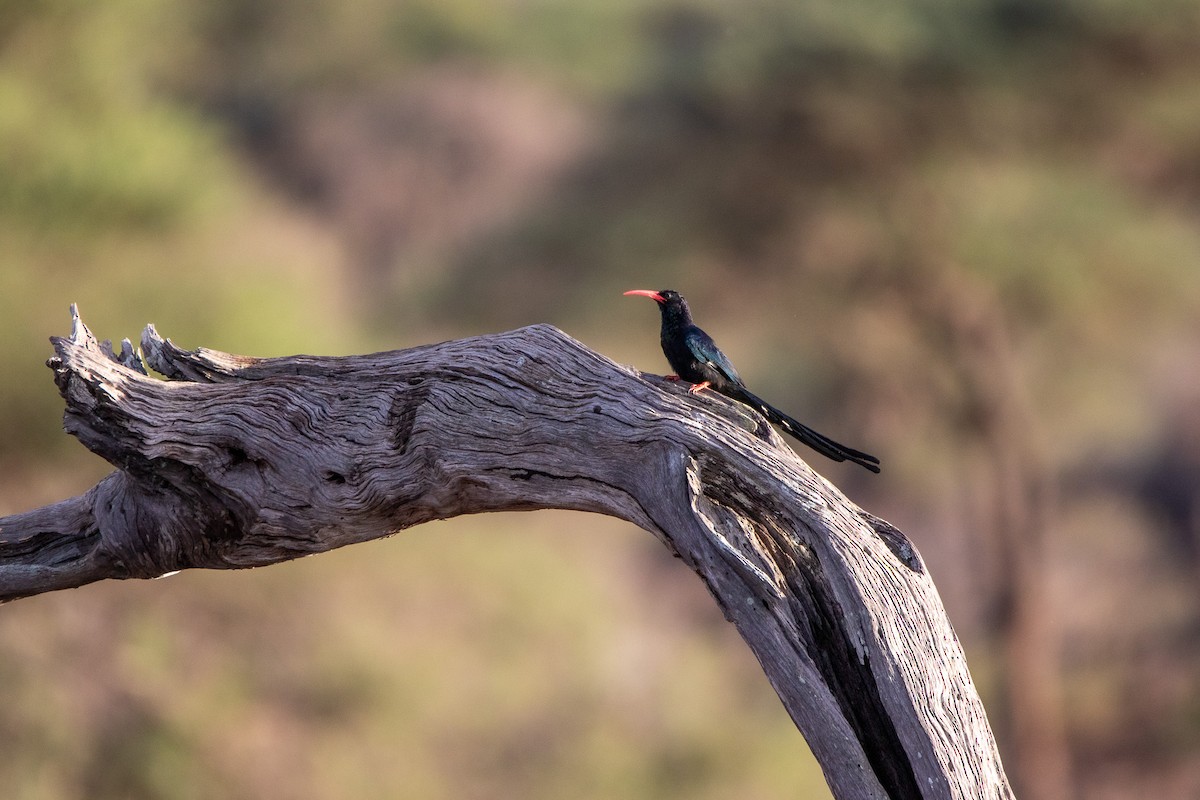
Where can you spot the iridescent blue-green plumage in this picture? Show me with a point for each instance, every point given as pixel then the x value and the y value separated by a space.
pixel 696 358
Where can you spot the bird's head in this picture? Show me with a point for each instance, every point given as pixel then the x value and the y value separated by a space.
pixel 674 308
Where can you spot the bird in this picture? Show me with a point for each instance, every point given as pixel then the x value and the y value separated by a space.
pixel 696 358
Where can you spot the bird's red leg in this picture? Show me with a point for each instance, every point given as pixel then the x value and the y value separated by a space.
pixel 671 377
pixel 699 387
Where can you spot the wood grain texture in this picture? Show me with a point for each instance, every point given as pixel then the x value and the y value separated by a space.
pixel 237 462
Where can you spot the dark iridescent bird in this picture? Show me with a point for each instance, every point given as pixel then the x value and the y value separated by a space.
pixel 696 358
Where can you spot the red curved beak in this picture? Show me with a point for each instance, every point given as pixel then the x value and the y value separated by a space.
pixel 655 296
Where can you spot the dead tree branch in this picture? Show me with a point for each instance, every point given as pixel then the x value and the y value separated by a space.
pixel 238 462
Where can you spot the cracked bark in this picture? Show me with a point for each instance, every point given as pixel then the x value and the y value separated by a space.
pixel 238 462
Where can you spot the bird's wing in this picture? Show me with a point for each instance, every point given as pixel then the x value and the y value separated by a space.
pixel 710 357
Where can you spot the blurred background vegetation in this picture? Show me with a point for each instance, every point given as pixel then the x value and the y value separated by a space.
pixel 964 236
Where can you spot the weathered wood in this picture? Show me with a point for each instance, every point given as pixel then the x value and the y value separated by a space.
pixel 238 462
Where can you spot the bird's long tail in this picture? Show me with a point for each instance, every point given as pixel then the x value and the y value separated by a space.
pixel 822 444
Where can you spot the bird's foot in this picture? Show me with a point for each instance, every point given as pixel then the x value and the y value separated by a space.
pixel 671 377
pixel 699 387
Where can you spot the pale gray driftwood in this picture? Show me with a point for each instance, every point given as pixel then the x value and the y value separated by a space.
pixel 239 462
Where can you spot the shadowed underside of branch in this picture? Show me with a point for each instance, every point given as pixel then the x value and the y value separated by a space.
pixel 238 462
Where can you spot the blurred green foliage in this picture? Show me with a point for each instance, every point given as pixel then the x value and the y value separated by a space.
pixel 270 177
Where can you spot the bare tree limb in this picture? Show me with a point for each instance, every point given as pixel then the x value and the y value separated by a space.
pixel 238 462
